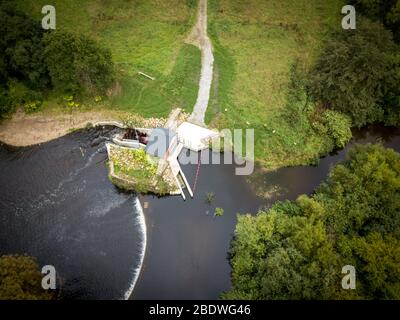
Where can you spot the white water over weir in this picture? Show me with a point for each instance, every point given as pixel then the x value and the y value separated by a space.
pixel 141 222
pixel 200 38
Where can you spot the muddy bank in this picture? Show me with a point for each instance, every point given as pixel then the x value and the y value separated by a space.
pixel 23 130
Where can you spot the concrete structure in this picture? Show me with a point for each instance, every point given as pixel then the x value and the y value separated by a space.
pixel 195 137
pixel 167 143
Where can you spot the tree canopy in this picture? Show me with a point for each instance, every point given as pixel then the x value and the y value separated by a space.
pixel 77 64
pixel 357 73
pixel 385 11
pixel 296 250
pixel 21 48
pixel 34 61
pixel 20 279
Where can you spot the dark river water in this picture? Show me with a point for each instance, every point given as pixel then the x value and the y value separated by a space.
pixel 57 204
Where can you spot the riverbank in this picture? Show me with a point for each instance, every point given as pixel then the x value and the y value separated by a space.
pixel 71 216
pixel 187 249
pixel 23 129
pixel 262 57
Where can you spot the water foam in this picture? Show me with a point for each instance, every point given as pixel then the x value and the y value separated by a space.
pixel 141 222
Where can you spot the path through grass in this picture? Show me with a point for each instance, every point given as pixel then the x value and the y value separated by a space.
pixel 143 35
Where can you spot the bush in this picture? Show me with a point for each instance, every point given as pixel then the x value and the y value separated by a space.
pixel 210 197
pixel 338 127
pixel 77 64
pixel 219 212
pixel 32 106
pixel 21 48
pixel 6 106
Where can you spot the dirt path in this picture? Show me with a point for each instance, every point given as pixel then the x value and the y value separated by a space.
pixel 199 37
pixel 24 130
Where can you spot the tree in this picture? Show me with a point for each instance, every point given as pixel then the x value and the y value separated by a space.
pixel 385 11
pixel 77 64
pixel 21 48
pixel 356 70
pixel 20 279
pixel 338 127
pixel 6 106
pixel 296 250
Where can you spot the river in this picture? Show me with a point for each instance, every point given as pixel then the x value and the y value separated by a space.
pixel 57 204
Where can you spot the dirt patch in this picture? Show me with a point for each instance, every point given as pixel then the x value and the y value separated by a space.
pixel 24 130
pixel 29 129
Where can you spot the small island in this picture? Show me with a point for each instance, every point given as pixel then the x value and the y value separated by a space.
pixel 145 160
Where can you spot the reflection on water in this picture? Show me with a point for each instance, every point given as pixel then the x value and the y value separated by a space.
pixel 187 253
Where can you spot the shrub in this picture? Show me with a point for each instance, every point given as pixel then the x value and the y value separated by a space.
pixel 385 11
pixel 210 197
pixel 33 106
pixel 219 212
pixel 338 127
pixel 6 106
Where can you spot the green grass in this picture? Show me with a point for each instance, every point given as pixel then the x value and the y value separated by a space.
pixel 256 43
pixel 135 170
pixel 143 35
pixel 156 98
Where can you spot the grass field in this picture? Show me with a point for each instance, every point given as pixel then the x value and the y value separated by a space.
pixel 143 35
pixel 256 43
